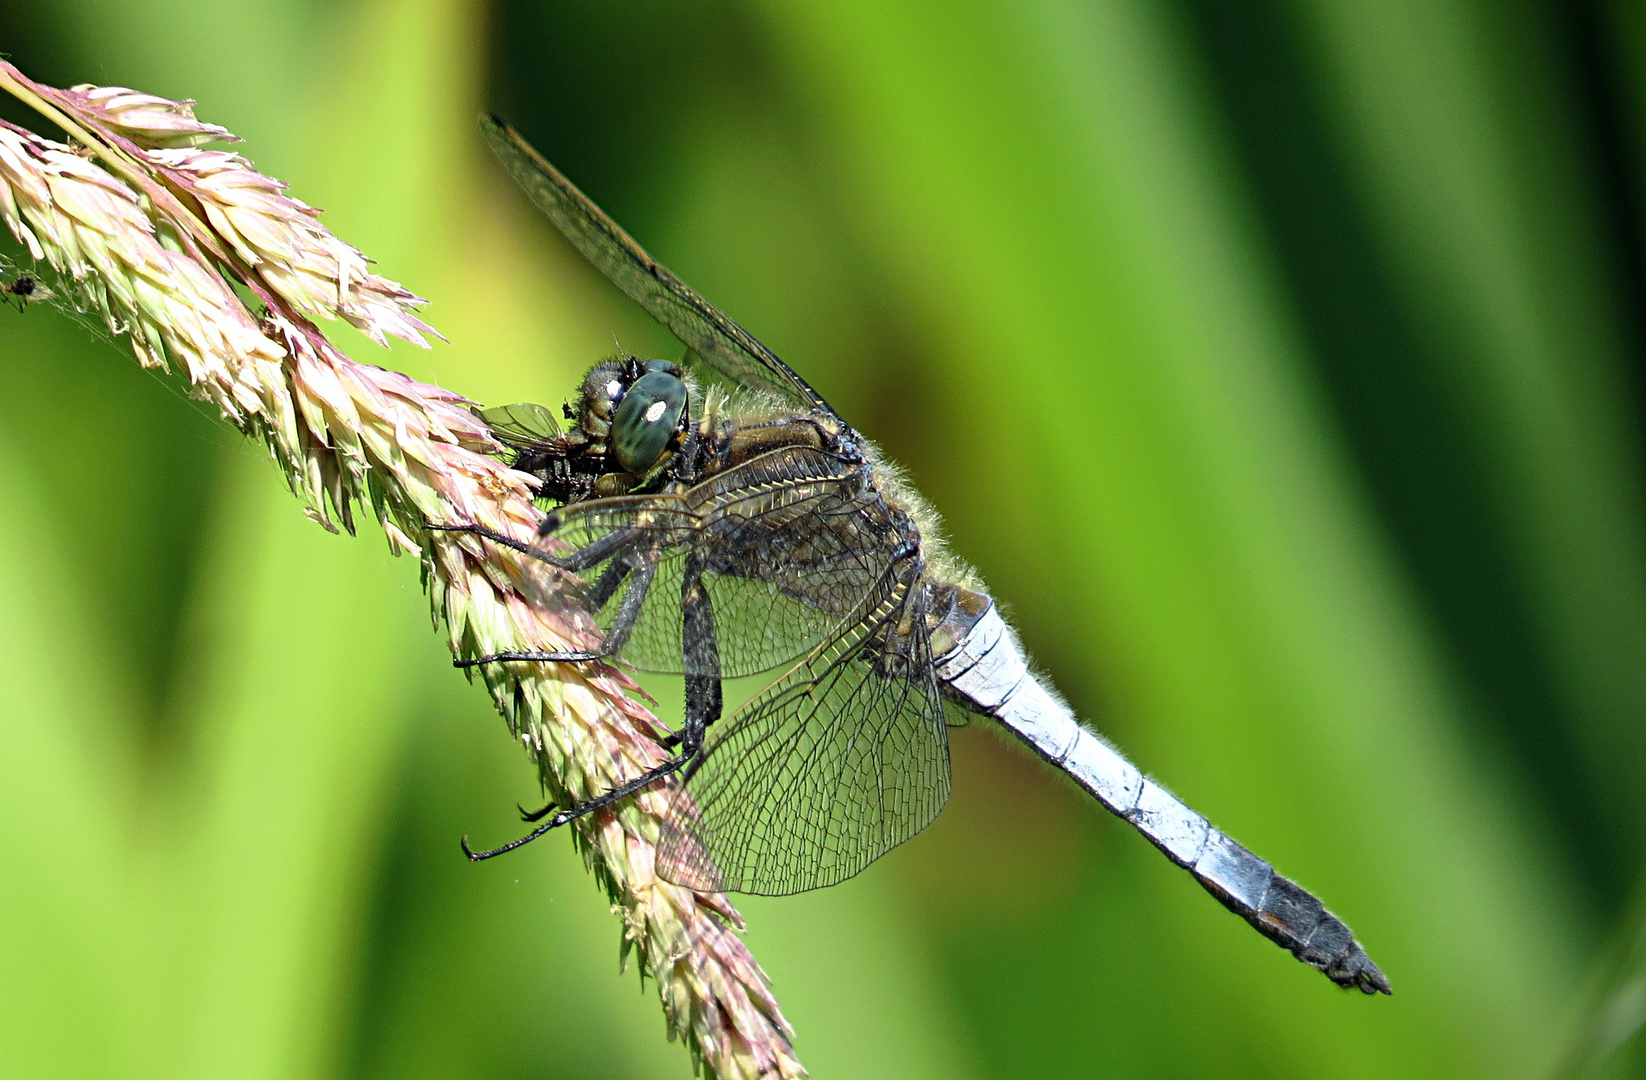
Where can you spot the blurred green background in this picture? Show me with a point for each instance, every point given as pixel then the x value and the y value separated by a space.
pixel 1278 362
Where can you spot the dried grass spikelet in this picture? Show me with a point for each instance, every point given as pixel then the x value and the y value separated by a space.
pixel 315 272
pixel 95 234
pixel 146 120
pixel 150 236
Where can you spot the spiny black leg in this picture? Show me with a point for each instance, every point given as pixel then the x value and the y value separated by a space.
pixel 610 579
pixel 591 554
pixel 622 626
pixel 622 791
pixel 535 815
pixel 701 660
pixel 704 702
pixel 704 697
pixel 628 613
pixel 494 536
pixel 534 657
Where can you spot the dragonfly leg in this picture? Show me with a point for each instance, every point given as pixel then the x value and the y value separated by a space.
pixel 704 699
pixel 571 814
pixel 575 657
pixel 622 626
pixel 628 612
pixel 591 554
pixel 494 536
pixel 535 815
pixel 611 579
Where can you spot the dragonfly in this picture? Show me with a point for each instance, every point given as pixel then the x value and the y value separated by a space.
pixel 718 519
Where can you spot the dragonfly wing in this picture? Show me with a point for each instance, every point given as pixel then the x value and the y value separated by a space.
pixel 707 332
pixel 830 768
pixel 789 548
pixel 521 424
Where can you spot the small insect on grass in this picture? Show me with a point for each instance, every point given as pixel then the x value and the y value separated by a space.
pixel 24 290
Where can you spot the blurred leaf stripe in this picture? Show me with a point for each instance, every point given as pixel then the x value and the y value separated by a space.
pixel 1472 171
pixel 1225 543
pixel 1277 361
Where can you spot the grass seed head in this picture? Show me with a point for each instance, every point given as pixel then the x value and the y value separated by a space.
pixel 162 243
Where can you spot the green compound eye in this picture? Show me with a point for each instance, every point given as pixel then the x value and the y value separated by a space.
pixel 646 418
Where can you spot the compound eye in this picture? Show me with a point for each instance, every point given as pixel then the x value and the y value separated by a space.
pixel 646 419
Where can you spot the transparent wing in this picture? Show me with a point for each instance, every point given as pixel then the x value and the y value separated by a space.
pixel 792 547
pixel 521 425
pixel 713 337
pixel 830 768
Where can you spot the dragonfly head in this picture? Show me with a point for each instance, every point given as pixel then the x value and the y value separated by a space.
pixel 632 412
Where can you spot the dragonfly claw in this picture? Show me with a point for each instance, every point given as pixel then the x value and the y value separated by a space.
pixel 535 815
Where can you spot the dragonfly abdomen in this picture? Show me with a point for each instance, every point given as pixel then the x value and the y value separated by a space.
pixel 987 673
